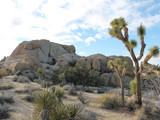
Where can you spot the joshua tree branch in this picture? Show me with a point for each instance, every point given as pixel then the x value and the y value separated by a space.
pixel 147 58
pixel 143 45
pixel 126 33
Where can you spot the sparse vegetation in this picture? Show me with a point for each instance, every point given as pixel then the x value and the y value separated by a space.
pixel 59 93
pixel 110 101
pixel 80 74
pixel 4 111
pixel 4 72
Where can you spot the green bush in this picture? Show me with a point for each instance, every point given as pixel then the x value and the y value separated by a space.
pixel 80 74
pixel 110 101
pixel 133 86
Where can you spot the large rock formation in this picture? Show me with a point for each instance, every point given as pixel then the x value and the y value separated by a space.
pixel 31 55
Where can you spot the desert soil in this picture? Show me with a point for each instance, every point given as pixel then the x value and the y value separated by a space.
pixel 22 110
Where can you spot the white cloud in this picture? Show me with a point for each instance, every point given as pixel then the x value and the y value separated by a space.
pixel 155 60
pixel 81 53
pixel 90 39
pixel 57 20
pixel 8 46
pixel 98 36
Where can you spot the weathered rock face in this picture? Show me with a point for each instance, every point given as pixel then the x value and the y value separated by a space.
pixel 97 62
pixel 49 56
pixel 111 79
pixel 31 54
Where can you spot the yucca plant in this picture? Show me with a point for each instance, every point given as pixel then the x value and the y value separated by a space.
pixel 73 111
pixel 45 101
pixel 59 93
pixel 59 112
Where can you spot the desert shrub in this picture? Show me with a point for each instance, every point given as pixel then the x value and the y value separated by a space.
pixel 6 99
pixel 72 91
pixel 59 93
pixel 81 97
pixel 4 112
pixel 4 72
pixel 22 91
pixel 6 87
pixel 29 98
pixel 110 101
pixel 130 103
pixel 23 80
pixel 80 74
pixel 148 111
pixel 139 114
pixel 133 86
pixel 46 83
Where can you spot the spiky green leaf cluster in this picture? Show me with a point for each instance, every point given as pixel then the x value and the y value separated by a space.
pixel 59 112
pixel 45 99
pixel 73 110
pixel 111 64
pixel 141 30
pixel 118 61
pixel 59 93
pixel 133 86
pixel 117 25
pixel 48 108
pixel 125 64
pixel 154 51
pixel 133 43
pixel 122 22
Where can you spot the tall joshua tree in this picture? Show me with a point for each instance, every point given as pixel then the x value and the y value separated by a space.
pixel 119 25
pixel 120 69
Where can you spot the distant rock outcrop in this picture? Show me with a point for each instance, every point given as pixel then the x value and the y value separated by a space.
pixel 31 55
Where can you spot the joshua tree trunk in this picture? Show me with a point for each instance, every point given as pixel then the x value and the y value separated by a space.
pixel 122 91
pixel 122 86
pixel 138 79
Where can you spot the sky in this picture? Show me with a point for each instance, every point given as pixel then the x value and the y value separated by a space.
pixel 82 23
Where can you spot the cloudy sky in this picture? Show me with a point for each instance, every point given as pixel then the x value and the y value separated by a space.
pixel 83 23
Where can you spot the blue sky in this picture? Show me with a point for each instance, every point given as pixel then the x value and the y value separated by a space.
pixel 83 23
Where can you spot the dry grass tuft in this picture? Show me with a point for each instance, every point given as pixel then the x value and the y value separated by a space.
pixel 110 101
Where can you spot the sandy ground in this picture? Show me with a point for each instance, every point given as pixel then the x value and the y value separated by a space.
pixel 22 110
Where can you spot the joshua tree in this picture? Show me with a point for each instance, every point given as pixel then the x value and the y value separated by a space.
pixel 120 69
pixel 119 25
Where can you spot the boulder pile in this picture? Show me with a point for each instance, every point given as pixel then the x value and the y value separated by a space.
pixel 29 56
